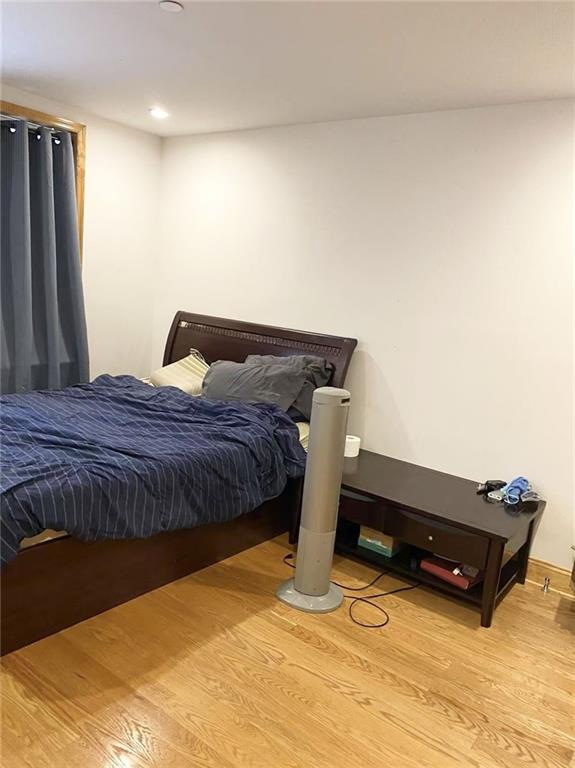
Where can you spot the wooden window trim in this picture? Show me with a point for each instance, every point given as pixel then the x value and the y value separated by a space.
pixel 78 132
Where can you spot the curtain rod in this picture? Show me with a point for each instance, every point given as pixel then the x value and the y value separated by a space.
pixel 34 126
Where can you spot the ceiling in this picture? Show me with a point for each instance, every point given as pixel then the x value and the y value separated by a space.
pixel 225 66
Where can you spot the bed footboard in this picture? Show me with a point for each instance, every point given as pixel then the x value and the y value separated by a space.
pixel 58 583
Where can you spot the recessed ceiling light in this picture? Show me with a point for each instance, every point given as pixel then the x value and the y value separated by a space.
pixel 158 113
pixel 171 6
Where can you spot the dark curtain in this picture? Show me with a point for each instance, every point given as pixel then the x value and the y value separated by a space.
pixel 44 343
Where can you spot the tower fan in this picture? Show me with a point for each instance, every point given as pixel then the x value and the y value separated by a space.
pixel 311 589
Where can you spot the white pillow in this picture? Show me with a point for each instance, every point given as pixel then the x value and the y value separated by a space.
pixel 187 374
pixel 303 429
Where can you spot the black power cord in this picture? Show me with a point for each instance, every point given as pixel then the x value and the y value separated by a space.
pixel 367 599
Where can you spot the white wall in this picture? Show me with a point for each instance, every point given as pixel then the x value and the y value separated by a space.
pixel 120 237
pixel 442 241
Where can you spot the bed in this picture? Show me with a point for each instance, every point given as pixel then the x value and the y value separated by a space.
pixel 59 580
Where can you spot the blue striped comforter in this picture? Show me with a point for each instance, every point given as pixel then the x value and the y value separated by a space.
pixel 119 459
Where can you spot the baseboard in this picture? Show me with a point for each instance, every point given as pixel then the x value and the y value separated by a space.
pixel 559 578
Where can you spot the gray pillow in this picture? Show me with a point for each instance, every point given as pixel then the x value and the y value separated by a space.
pixel 313 372
pixel 252 382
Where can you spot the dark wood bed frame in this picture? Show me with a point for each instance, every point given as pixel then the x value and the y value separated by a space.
pixel 57 583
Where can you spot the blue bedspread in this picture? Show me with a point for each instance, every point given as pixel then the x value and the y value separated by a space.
pixel 119 459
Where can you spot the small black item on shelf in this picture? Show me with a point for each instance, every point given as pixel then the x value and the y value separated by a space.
pixel 527 507
pixel 414 562
pixel 347 533
pixel 489 485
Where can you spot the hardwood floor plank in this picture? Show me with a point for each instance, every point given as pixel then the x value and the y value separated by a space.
pixel 110 718
pixel 26 722
pixel 515 755
pixel 213 671
pixel 244 664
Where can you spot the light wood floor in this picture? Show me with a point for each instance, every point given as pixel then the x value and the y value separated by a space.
pixel 213 671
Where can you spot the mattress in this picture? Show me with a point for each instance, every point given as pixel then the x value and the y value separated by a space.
pixel 41 538
pixel 32 541
pixel 117 459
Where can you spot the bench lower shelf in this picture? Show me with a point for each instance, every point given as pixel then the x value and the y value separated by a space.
pixel 400 565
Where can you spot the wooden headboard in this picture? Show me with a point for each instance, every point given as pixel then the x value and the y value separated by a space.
pixel 220 339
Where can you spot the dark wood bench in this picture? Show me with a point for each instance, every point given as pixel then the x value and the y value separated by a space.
pixel 435 512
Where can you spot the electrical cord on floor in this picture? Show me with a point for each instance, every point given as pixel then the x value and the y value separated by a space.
pixel 367 599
